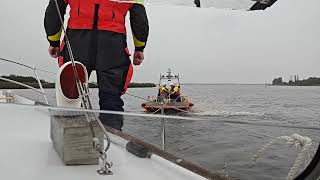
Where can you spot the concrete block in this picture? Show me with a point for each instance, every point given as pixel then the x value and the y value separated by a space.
pixel 72 140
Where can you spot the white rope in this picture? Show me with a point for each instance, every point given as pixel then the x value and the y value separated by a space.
pixel 302 143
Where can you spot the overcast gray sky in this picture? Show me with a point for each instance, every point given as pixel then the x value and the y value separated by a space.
pixel 206 45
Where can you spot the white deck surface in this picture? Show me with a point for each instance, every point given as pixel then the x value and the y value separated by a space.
pixel 27 153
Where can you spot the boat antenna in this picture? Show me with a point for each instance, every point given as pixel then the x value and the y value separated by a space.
pixel 169 74
pixel 83 91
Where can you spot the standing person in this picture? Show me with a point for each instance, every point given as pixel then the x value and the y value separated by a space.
pixel 163 92
pixel 175 92
pixel 97 34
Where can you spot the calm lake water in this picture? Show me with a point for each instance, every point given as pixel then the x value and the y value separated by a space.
pixel 214 144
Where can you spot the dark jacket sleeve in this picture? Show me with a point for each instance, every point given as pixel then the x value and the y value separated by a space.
pixel 139 26
pixel 52 22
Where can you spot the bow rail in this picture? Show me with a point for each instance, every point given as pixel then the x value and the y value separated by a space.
pixel 36 76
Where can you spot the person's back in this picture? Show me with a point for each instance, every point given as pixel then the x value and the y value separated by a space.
pixel 97 34
pixel 175 92
pixel 163 92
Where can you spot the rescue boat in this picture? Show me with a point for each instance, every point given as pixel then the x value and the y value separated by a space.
pixel 169 103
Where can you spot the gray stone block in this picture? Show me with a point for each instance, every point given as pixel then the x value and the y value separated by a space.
pixel 72 140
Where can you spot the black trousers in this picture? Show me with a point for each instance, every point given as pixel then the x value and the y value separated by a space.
pixel 107 53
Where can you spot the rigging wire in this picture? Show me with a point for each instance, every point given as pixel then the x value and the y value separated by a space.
pixel 84 96
pixel 46 71
pixel 26 86
pixel 59 110
pixel 204 118
pixel 27 66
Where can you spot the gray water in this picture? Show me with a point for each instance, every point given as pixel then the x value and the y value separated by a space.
pixel 212 144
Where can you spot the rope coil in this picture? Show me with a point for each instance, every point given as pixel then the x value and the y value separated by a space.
pixel 302 143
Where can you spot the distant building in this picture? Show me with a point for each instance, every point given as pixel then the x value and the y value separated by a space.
pixel 294 81
pixel 277 81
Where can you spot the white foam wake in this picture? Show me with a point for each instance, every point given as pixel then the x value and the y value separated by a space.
pixel 228 113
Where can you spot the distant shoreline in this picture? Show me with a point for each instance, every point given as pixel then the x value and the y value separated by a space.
pixel 220 84
pixel 9 85
pixel 293 85
pixel 311 81
pixel 31 81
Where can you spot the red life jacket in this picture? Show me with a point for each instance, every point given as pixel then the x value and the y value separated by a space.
pixel 111 15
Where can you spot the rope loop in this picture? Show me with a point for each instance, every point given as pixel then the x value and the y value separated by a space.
pixel 302 143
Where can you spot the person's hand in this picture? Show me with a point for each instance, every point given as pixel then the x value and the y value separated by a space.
pixel 138 57
pixel 54 51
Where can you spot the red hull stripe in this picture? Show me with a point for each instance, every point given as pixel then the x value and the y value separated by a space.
pixel 128 79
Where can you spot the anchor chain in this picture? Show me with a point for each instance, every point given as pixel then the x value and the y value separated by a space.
pixel 105 166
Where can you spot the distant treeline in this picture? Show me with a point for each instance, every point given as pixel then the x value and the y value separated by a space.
pixel 136 85
pixel 25 79
pixel 28 80
pixel 311 81
pixel 31 81
pixel 131 85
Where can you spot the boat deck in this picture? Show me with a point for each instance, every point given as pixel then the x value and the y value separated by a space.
pixel 27 153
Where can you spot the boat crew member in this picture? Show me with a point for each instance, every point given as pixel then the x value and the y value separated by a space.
pixel 175 92
pixel 97 34
pixel 163 92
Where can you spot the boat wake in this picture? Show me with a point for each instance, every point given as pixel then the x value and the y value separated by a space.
pixel 230 114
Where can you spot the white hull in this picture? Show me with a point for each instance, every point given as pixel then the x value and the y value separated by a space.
pixel 27 153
